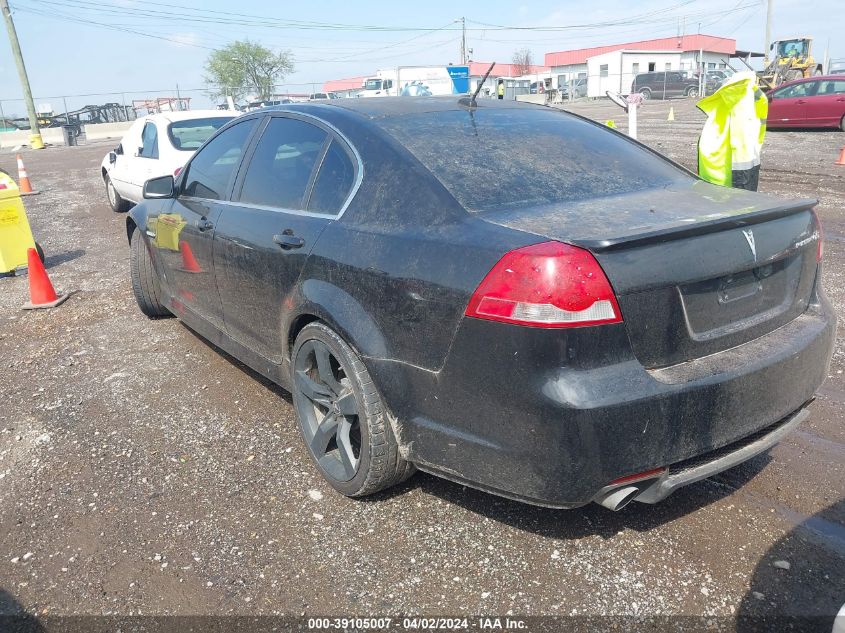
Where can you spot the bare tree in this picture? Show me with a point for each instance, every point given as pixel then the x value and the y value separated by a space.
pixel 522 61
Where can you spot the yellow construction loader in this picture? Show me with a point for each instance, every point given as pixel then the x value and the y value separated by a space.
pixel 788 60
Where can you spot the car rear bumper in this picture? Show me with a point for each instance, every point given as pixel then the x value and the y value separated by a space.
pixel 553 417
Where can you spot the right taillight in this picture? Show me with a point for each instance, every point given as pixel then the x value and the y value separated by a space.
pixel 550 284
pixel 820 244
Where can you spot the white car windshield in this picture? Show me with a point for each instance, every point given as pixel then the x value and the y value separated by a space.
pixel 372 84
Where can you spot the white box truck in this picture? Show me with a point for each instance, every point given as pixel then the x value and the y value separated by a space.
pixel 417 81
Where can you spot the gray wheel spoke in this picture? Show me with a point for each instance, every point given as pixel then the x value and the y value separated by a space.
pixel 324 369
pixel 323 434
pixel 347 403
pixel 313 390
pixel 344 450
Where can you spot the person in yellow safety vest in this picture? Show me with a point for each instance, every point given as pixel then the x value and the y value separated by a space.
pixel 501 89
pixel 731 142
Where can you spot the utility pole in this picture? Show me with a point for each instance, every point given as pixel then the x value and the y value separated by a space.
pixel 35 140
pixel 768 41
pixel 463 41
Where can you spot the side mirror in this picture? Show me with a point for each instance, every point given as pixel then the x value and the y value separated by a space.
pixel 119 150
pixel 140 150
pixel 159 188
pixel 112 157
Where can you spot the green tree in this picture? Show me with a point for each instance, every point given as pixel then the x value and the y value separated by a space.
pixel 246 67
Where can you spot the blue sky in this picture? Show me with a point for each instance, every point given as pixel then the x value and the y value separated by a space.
pixel 67 54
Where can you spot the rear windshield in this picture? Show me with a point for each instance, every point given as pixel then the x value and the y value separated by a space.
pixel 188 135
pixel 510 158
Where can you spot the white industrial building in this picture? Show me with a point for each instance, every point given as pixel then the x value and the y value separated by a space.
pixel 614 67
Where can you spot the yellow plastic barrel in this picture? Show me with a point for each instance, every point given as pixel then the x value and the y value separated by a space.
pixel 15 234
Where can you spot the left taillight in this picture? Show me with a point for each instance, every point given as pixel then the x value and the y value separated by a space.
pixel 551 285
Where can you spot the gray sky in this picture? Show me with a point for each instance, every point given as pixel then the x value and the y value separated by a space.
pixel 80 47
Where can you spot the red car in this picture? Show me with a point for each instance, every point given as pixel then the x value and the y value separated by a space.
pixel 809 102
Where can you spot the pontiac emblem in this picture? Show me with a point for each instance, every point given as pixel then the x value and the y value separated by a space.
pixel 749 237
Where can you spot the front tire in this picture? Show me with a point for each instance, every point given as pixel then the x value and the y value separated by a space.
pixel 117 204
pixel 645 93
pixel 692 92
pixel 145 284
pixel 342 417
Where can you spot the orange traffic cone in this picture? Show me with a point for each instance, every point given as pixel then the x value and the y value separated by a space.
pixel 841 160
pixel 23 180
pixel 189 262
pixel 41 292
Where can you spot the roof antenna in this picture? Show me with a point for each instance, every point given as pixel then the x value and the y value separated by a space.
pixel 472 103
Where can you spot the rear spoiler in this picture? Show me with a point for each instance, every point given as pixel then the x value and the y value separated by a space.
pixel 697 226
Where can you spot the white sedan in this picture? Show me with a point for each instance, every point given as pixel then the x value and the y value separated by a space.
pixel 156 145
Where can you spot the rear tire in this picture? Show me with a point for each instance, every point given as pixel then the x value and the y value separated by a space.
pixel 342 417
pixel 117 204
pixel 145 284
pixel 842 123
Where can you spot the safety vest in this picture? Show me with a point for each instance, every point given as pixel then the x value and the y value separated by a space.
pixel 731 142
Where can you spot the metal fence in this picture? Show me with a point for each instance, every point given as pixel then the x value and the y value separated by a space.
pixel 110 107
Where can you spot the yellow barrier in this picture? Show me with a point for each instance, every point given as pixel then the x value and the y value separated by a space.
pixel 15 234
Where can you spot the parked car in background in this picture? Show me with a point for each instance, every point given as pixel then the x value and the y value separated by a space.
pixel 837 67
pixel 599 326
pixel 578 87
pixel 156 145
pixel 316 96
pixel 808 102
pixel 268 103
pixel 663 85
pixel 537 87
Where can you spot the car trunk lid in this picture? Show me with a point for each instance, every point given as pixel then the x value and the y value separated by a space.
pixel 696 268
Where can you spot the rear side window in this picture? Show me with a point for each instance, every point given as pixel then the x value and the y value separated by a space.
pixel 211 170
pixel 190 134
pixel 334 181
pixel 280 170
pixel 832 88
pixel 495 158
pixel 149 141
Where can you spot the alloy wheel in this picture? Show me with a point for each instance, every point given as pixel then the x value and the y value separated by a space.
pixel 328 410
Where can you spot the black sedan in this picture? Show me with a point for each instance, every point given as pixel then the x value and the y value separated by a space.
pixel 506 295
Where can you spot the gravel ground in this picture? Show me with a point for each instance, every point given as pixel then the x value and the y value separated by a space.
pixel 144 472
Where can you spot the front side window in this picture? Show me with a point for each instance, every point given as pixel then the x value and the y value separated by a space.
pixel 212 169
pixel 334 181
pixel 804 89
pixel 280 170
pixel 149 141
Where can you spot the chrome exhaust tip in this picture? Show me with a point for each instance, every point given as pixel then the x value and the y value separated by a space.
pixel 618 498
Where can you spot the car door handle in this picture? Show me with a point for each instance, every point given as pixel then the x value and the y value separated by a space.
pixel 800 101
pixel 841 99
pixel 204 224
pixel 288 240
